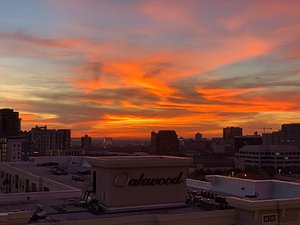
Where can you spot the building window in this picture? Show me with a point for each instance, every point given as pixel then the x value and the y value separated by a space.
pixel 269 219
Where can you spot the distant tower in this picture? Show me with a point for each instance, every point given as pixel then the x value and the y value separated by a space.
pixel 86 144
pixel 153 142
pixel 198 136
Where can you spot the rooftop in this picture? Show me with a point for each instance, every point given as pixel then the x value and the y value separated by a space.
pixel 73 174
pixel 244 189
pixel 59 206
pixel 201 196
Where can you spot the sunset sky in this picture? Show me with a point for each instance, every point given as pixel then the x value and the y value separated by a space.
pixel 123 68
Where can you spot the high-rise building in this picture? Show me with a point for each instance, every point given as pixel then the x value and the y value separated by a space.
pixel 229 133
pixel 165 142
pixel 86 144
pixel 50 142
pixel 198 136
pixel 10 123
pixel 290 134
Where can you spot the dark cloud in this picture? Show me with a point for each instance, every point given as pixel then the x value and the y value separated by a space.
pixel 139 96
pixel 21 36
pixel 93 69
pixel 157 69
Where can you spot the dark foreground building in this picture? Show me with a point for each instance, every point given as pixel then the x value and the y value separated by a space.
pixel 239 142
pixel 10 123
pixel 165 142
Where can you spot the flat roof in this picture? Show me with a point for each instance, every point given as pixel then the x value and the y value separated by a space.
pixel 77 174
pixel 244 189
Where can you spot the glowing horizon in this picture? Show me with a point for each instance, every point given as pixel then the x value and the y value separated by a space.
pixel 125 68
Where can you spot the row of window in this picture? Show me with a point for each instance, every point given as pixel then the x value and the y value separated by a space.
pixel 269 153
pixel 267 157
pixel 272 162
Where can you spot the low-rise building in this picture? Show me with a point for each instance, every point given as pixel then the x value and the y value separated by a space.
pixel 19 149
pixel 268 156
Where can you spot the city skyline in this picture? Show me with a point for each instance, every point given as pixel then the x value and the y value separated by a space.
pixel 125 68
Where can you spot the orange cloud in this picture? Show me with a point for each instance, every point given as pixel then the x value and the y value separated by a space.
pixel 148 67
pixel 157 70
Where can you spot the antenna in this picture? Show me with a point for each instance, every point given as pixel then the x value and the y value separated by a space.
pixel 266 128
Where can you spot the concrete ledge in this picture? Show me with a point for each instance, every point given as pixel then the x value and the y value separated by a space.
pixel 17 197
pixel 139 161
pixel 15 218
pixel 224 217
pixel 198 184
pixel 144 207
